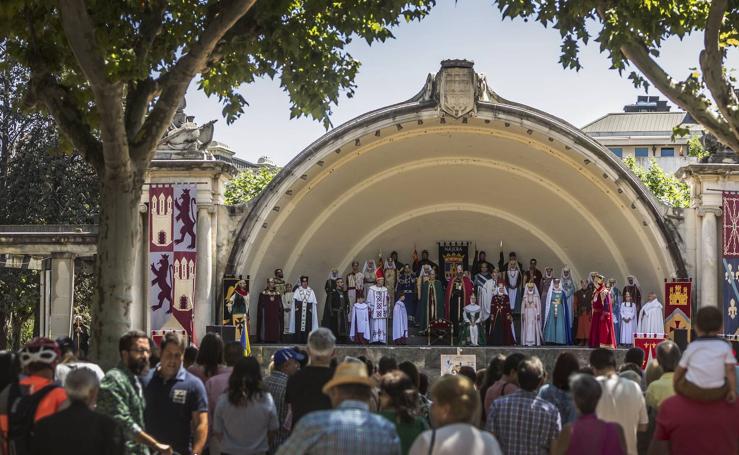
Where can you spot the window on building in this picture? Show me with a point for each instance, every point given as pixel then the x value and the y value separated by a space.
pixel 618 151
pixel 667 151
pixel 641 152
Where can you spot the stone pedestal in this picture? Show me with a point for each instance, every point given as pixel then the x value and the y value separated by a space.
pixel 62 295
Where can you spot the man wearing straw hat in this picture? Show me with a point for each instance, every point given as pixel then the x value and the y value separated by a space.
pixel 348 428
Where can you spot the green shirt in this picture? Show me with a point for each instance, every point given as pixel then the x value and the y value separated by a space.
pixel 408 432
pixel 659 390
pixel 121 398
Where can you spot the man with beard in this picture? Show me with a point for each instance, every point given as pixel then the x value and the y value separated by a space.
pixel 534 275
pixel 480 261
pixel 121 394
pixel 304 312
pixel 426 261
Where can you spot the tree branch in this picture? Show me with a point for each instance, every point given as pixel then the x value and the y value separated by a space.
pixel 637 54
pixel 177 80
pixel 80 33
pixel 712 60
pixel 70 120
pixel 138 97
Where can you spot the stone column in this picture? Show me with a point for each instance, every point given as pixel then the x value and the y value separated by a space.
pixel 62 294
pixel 709 261
pixel 139 312
pixel 203 278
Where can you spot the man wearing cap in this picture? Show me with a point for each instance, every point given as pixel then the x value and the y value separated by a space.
pixel 286 364
pixel 350 427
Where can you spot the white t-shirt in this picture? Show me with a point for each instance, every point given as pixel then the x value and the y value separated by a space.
pixel 622 402
pixel 706 360
pixel 456 439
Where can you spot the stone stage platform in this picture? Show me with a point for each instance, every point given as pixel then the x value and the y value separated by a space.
pixel 428 358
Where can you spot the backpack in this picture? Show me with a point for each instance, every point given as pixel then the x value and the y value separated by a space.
pixel 22 407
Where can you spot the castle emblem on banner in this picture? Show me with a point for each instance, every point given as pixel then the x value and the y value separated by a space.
pixel 184 275
pixel 161 219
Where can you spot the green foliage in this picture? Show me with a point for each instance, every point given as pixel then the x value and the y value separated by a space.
pixel 695 147
pixel 39 185
pixel 248 184
pixel 631 34
pixel 666 188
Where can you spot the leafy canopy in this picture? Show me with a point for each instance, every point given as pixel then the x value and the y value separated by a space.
pixel 667 188
pixel 631 33
pixel 248 184
pixel 75 48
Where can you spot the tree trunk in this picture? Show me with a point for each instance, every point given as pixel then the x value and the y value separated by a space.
pixel 118 238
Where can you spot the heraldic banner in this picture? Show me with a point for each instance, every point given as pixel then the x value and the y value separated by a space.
pixel 172 257
pixel 677 306
pixel 452 254
pixel 648 342
pixel 730 253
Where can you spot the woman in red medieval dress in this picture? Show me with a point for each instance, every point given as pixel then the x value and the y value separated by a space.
pixel 602 332
pixel 500 332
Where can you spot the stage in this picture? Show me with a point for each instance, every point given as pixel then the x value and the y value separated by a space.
pixel 428 358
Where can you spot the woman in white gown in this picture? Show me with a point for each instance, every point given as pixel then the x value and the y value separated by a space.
pixel 627 313
pixel 531 316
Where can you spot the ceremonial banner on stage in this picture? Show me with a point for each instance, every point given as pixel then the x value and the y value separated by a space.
pixel 678 304
pixel 452 254
pixel 172 257
pixel 730 253
pixel 648 342
pixel 450 364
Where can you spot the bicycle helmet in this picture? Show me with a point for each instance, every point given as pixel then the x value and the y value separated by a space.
pixel 40 350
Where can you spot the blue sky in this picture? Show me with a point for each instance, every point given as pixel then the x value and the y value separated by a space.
pixel 519 59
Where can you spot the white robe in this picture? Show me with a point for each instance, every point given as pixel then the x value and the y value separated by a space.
pixel 627 311
pixel 531 318
pixel 485 295
pixel 377 300
pixel 360 321
pixel 468 315
pixel 308 297
pixel 513 292
pixel 651 318
pixel 400 321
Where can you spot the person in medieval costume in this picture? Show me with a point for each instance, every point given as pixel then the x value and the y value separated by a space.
pixel 331 280
pixel 269 314
pixel 503 266
pixel 378 301
pixel 627 313
pixel 238 304
pixel 652 316
pixel 472 333
pixel 336 311
pixel 457 296
pixel 568 284
pixel 304 314
pixel 500 331
pixel 359 331
pixel 546 281
pixel 406 287
pixel 616 304
pixel 533 275
pixel 601 329
pixel 479 262
pixel 514 285
pixel 531 316
pixel 286 295
pixel 431 304
pixel 633 287
pixel 391 277
pixel 557 328
pixel 485 286
pixel 369 273
pixel 354 283
pixel 400 321
pixel 426 261
pixel 398 265
pixel 583 308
